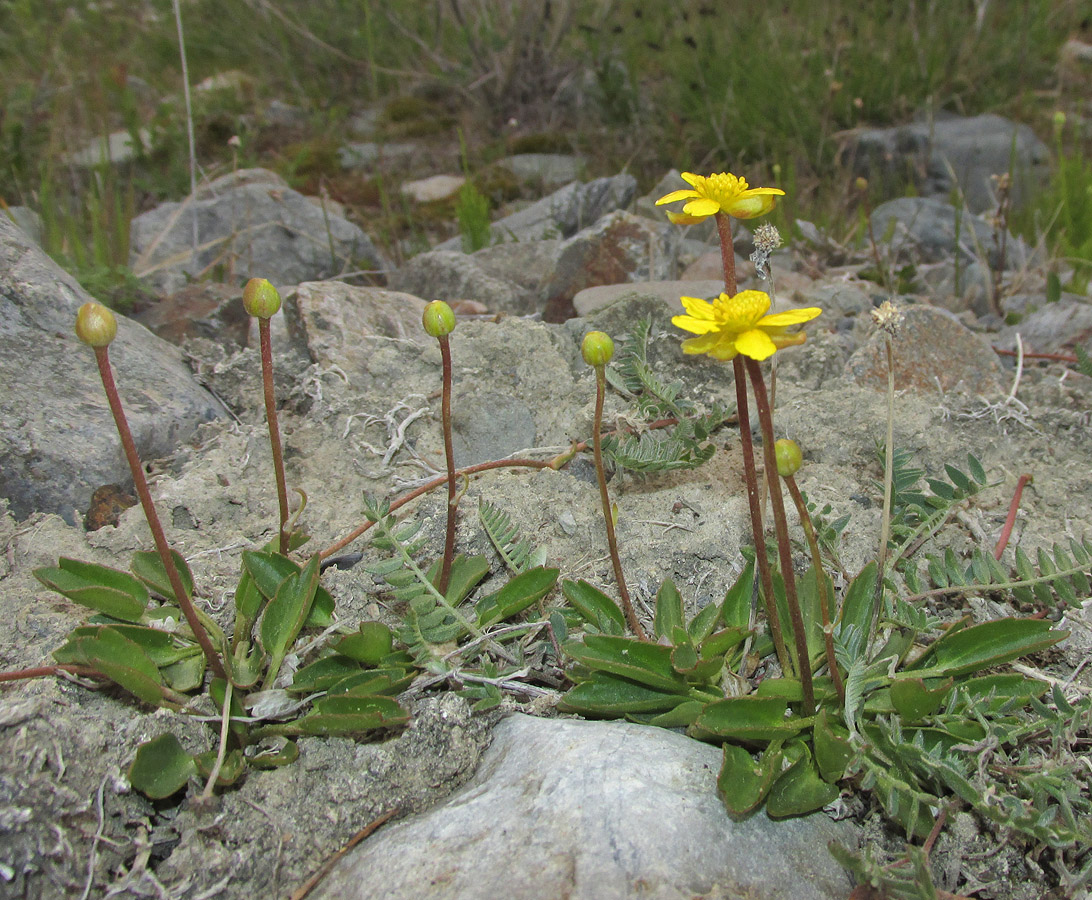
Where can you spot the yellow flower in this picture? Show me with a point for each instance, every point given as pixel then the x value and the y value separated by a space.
pixel 739 324
pixel 719 193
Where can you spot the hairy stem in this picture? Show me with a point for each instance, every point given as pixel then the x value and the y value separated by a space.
pixel 102 357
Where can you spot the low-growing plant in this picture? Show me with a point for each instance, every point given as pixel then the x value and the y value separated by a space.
pixel 812 684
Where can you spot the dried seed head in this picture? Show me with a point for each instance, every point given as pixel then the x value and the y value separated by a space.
pixel 888 317
pixel 767 239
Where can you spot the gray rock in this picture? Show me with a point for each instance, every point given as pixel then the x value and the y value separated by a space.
pixel 592 811
pixel 27 220
pixel 933 351
pixel 333 321
pixel 450 276
pixel 249 223
pixel 592 299
pixel 551 169
pixel 935 230
pixel 953 152
pixel 367 154
pixel 433 189
pixel 619 248
pixel 57 438
pixel 115 148
pixel 562 213
pixel 1053 327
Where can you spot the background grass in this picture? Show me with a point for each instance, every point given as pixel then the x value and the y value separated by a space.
pixel 769 90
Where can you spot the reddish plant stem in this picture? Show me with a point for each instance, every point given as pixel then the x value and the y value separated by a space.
pixel 821 575
pixel 750 476
pixel 727 253
pixel 1010 520
pixel 102 357
pixel 42 671
pixel 556 463
pixel 1056 357
pixel 781 525
pixel 604 497
pixel 274 432
pixel 449 456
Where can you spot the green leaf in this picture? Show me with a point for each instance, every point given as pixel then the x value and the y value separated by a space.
pixel 857 610
pixel 388 682
pixel 187 674
pixel 148 567
pixel 109 591
pixel 736 611
pixel 248 603
pixel 368 644
pixel 669 609
pixel 833 750
pixel 232 769
pixel 596 607
pixel 702 625
pixel 285 614
pixel 518 594
pixel 161 767
pixel 466 572
pixel 640 661
pixel 323 673
pixel 284 754
pixel 799 791
pixel 123 661
pixel 609 696
pixel 162 647
pixel 682 716
pixel 748 719
pixel 988 644
pixel 350 714
pixel 743 783
pixel 914 700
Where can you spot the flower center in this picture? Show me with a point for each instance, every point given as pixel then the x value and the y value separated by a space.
pixel 724 188
pixel 742 311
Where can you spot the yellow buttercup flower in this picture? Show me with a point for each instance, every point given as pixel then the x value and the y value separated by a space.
pixel 732 325
pixel 719 193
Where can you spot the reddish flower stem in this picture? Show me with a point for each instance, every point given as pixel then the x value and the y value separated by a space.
pixel 102 357
pixel 820 574
pixel 449 455
pixel 757 532
pixel 604 497
pixel 758 387
pixel 274 432
pixel 727 253
pixel 1010 520
pixel 42 671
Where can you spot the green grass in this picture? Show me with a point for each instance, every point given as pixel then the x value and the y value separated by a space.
pixel 692 84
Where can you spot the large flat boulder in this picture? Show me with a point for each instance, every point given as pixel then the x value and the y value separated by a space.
pixel 57 438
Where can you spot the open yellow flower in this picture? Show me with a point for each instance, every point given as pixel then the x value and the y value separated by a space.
pixel 732 325
pixel 719 193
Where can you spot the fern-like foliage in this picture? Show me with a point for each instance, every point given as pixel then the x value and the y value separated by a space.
pixel 1056 574
pixel 683 446
pixel 517 552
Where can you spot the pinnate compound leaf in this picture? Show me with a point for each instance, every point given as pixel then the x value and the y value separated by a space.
pixel 109 591
pixel 161 767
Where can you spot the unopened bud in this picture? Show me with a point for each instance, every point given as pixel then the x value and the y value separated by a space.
pixel 95 325
pixel 789 457
pixel 597 349
pixel 438 319
pixel 260 298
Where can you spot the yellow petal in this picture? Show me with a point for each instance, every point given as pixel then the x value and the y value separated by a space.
pixel 704 344
pixel 703 206
pixel 750 207
pixel 677 195
pixel 694 326
pixel 692 179
pixel 788 340
pixel 684 219
pixel 698 308
pixel 755 344
pixel 789 317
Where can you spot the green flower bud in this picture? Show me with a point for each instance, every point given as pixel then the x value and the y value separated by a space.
pixel 789 457
pixel 597 349
pixel 95 325
pixel 260 298
pixel 438 319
